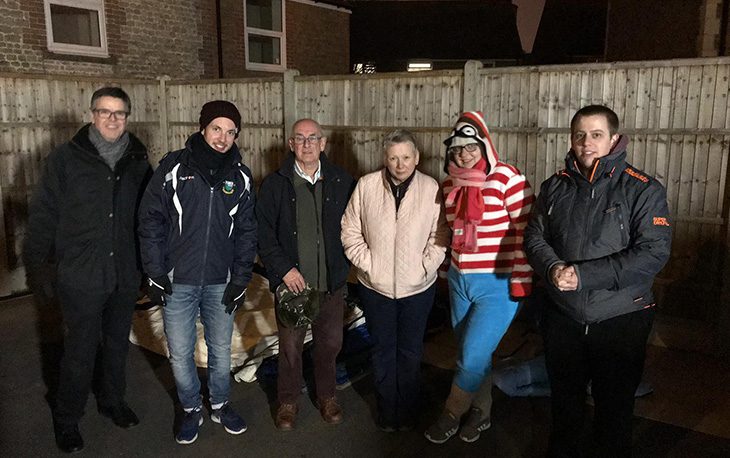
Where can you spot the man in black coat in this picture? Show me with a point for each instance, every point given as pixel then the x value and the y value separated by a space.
pixel 82 220
pixel 599 234
pixel 299 213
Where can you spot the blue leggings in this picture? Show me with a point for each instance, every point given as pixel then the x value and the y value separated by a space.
pixel 481 312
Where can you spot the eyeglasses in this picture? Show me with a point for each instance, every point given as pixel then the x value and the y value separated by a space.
pixel 301 139
pixel 103 113
pixel 470 148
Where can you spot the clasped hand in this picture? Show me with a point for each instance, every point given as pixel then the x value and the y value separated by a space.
pixel 564 277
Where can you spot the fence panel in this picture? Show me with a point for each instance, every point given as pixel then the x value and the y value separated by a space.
pixel 36 115
pixel 371 105
pixel 676 115
pixel 260 102
pixel 675 112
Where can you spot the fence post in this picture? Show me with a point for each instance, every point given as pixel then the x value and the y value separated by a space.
pixel 470 95
pixel 162 98
pixel 290 100
pixel 722 329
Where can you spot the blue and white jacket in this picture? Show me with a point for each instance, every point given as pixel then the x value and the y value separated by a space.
pixel 196 233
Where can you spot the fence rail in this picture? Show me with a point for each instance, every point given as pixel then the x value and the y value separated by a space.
pixel 675 112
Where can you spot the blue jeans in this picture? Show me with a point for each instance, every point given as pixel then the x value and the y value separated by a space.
pixel 180 314
pixel 481 312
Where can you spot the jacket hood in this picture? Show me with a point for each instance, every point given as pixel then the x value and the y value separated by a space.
pixel 471 124
pixel 615 159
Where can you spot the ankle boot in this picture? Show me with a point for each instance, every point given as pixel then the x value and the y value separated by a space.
pixel 458 401
pixel 447 425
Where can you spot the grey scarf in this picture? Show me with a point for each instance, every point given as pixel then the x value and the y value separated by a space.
pixel 109 151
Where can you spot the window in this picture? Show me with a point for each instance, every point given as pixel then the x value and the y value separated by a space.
pixel 265 35
pixel 76 27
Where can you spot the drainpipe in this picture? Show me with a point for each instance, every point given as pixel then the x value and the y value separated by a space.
pixel 725 11
pixel 607 31
pixel 219 35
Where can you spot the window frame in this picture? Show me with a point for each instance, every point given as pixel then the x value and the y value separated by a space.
pixel 79 50
pixel 248 31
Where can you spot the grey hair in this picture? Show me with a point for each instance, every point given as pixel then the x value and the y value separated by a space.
pixel 299 121
pixel 399 136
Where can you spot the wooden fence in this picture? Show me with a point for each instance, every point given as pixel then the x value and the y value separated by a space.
pixel 676 113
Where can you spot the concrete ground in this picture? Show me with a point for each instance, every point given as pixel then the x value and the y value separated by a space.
pixel 30 342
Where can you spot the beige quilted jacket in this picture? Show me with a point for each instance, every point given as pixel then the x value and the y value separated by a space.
pixel 396 255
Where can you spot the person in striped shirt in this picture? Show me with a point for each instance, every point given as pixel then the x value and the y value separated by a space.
pixel 488 206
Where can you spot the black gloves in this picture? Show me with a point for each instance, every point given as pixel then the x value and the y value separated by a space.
pixel 157 287
pixel 233 297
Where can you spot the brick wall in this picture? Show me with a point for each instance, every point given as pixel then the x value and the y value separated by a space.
pixel 233 39
pixel 152 38
pixel 21 46
pixel 317 39
pixel 208 31
pixel 666 29
pixel 146 38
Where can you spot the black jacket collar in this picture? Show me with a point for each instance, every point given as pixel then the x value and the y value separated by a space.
pixel 135 148
pixel 234 159
pixel 607 166
pixel 287 167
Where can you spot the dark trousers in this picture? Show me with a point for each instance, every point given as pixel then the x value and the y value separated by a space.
pixel 397 327
pixel 92 322
pixel 611 355
pixel 327 337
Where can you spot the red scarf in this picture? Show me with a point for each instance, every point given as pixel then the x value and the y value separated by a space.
pixel 467 195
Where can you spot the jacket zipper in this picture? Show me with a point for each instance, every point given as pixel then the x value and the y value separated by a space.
pixel 115 190
pixel 207 227
pixel 207 237
pixel 119 164
pixel 319 217
pixel 395 277
pixel 395 295
pixel 582 249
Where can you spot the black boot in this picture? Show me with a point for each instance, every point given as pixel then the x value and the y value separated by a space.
pixel 121 415
pixel 68 438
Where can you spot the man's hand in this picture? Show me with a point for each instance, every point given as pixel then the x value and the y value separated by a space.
pixel 157 287
pixel 233 297
pixel 294 281
pixel 564 277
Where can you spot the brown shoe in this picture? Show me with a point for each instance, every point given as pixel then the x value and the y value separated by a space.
pixel 285 416
pixel 330 410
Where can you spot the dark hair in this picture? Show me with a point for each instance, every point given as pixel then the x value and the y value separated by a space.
pixel 110 91
pixel 592 110
pixel 399 136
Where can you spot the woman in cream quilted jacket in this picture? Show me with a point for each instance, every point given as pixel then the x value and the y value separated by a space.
pixel 394 232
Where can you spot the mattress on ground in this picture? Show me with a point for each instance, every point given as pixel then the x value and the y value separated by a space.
pixel 254 331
